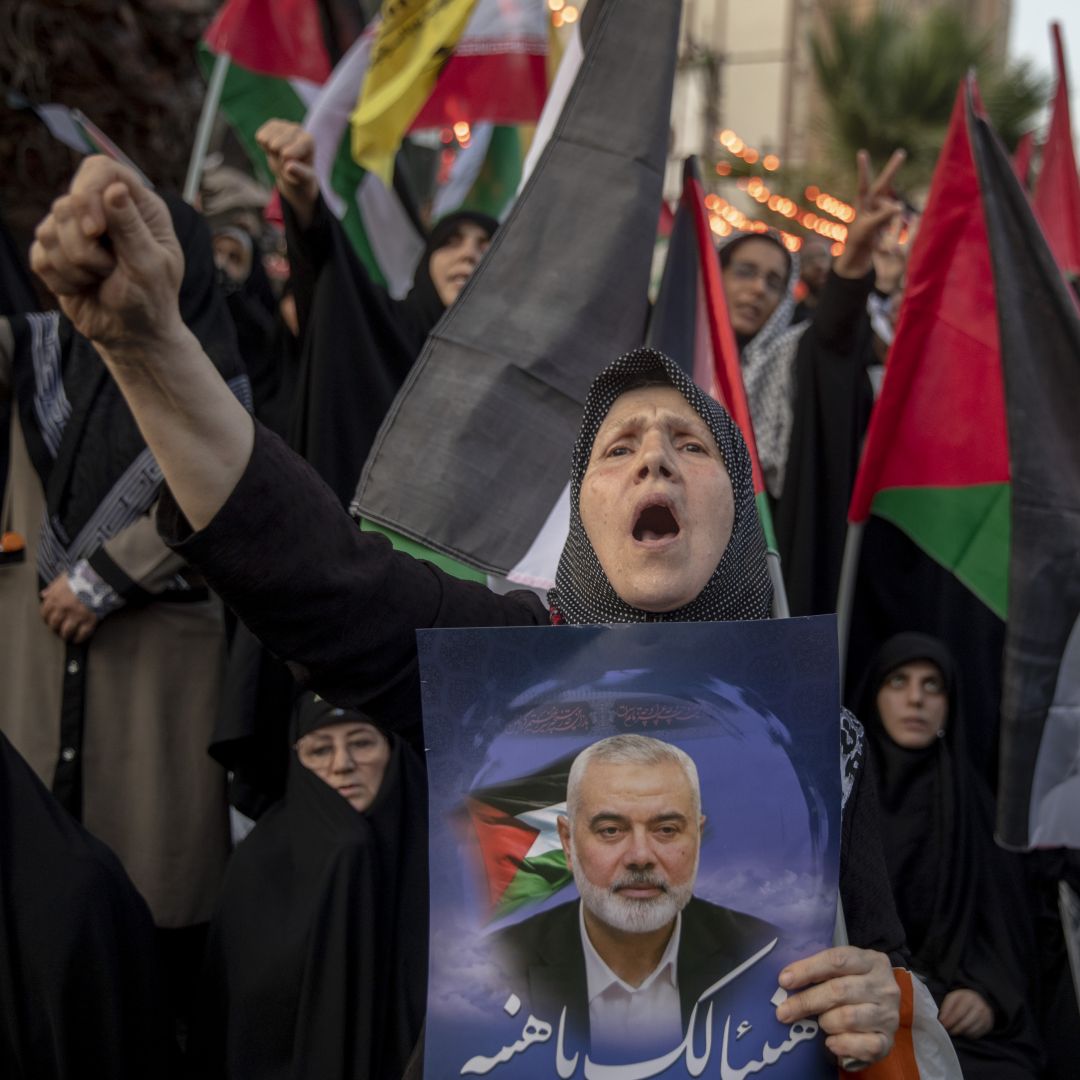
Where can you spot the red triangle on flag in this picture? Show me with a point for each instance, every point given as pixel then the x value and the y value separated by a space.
pixel 504 842
pixel 282 38
pixel 940 420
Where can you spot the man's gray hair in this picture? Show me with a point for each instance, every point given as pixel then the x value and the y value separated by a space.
pixel 630 750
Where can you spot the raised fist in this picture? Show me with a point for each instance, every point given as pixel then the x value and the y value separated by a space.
pixel 108 252
pixel 290 153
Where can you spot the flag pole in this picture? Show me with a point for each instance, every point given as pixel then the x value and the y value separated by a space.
pixel 206 126
pixel 845 595
pixel 780 609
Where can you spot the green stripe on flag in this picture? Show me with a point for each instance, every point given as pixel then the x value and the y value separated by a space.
pixel 765 514
pixel 418 551
pixel 345 178
pixel 248 100
pixel 966 529
pixel 497 183
pixel 535 881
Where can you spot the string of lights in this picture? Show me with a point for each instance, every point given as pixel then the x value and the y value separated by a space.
pixel 842 213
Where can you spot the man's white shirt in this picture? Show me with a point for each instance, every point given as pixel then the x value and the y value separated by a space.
pixel 622 1016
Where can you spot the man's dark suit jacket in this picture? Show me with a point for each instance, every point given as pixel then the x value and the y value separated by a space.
pixel 545 963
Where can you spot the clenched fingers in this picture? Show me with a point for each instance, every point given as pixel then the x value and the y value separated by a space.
pixel 853 995
pixel 285 139
pixel 78 230
pixel 67 259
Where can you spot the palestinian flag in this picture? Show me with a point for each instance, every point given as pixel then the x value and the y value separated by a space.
pixel 1025 151
pixel 381 228
pixel 936 459
pixel 690 321
pixel 277 62
pixel 1039 326
pixel 561 291
pixel 1057 191
pixel 76 130
pixel 517 836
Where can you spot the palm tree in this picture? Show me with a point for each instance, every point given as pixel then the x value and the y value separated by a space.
pixel 889 80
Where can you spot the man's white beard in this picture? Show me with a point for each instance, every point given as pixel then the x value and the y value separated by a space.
pixel 626 913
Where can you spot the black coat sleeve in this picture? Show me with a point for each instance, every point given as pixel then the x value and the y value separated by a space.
pixel 869 908
pixel 340 605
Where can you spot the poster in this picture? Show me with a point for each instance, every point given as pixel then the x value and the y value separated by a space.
pixel 654 949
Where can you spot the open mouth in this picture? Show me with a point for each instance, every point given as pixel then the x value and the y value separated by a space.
pixel 655 522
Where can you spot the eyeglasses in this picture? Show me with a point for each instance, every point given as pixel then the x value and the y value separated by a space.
pixel 745 271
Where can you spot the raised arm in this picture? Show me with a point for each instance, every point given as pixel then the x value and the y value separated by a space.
pixel 108 252
pixel 843 300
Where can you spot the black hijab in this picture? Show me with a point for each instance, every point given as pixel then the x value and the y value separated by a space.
pixel 920 792
pixel 317 961
pixel 422 308
pixel 960 898
pixel 739 587
pixel 79 989
pixel 358 343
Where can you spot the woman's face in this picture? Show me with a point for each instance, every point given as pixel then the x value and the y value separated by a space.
pixel 452 265
pixel 913 704
pixel 754 283
pixel 351 757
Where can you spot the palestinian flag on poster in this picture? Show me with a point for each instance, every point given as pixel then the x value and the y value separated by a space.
pixel 1057 191
pixel 561 291
pixel 277 62
pixel 1039 326
pixel 517 837
pixel 936 459
pixel 690 321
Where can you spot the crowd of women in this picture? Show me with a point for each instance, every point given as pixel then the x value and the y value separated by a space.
pixel 301 950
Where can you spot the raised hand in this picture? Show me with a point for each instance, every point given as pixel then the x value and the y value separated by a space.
pixel 108 252
pixel 854 998
pixel 875 211
pixel 290 154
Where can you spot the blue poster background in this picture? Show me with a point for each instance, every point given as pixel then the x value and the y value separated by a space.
pixel 755 704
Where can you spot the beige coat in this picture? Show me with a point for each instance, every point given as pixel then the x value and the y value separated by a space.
pixel 153 678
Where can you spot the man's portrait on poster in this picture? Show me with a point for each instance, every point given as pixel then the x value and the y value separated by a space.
pixel 676 847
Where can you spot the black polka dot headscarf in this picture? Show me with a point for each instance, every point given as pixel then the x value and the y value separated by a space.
pixel 739 587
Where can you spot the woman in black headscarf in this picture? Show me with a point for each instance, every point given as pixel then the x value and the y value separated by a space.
pixel 959 897
pixel 317 963
pixel 359 342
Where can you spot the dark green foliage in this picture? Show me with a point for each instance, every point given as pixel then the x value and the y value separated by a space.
pixel 889 80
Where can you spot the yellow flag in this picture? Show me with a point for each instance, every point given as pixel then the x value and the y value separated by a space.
pixel 415 39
